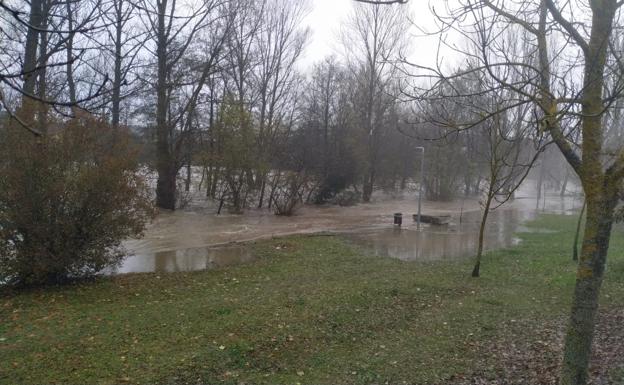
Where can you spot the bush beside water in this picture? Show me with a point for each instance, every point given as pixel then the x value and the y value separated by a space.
pixel 67 200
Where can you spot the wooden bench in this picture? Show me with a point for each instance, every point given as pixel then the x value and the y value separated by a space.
pixel 437 220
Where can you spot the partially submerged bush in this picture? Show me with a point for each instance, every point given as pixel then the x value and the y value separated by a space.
pixel 346 198
pixel 67 200
pixel 289 195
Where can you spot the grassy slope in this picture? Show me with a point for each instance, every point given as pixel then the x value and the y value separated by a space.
pixel 316 310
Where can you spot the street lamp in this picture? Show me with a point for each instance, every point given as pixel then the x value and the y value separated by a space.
pixel 420 184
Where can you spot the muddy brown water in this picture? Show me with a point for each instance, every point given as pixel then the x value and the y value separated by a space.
pixel 198 239
pixel 452 241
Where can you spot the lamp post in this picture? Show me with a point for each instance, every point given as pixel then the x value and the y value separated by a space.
pixel 420 184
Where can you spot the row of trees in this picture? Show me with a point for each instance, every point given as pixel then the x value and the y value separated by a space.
pixel 218 85
pixel 270 136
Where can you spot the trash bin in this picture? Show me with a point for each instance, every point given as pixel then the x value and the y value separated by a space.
pixel 398 219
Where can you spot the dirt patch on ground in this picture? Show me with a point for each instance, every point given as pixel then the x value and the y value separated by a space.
pixel 537 360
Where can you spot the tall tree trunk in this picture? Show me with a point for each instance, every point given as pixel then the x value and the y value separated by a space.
pixel 589 278
pixel 189 175
pixel 117 75
pixel 35 21
pixel 262 190
pixel 211 182
pixel 369 182
pixel 540 183
pixel 71 84
pixel 166 188
pixel 601 196
pixel 42 72
pixel 167 172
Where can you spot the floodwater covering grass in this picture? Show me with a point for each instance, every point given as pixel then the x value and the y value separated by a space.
pixel 309 310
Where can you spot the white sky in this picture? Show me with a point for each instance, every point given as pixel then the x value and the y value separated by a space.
pixel 326 17
pixel 324 21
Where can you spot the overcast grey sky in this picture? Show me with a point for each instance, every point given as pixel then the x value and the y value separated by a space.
pixel 324 20
pixel 326 17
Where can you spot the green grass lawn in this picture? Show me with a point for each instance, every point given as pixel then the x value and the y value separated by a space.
pixel 315 310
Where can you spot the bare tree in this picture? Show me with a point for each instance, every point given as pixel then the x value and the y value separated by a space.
pixel 123 43
pixel 279 43
pixel 48 31
pixel 373 35
pixel 172 30
pixel 511 152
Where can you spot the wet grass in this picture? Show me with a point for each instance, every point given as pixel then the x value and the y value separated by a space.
pixel 310 310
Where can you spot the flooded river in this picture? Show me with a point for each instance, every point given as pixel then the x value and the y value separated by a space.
pixel 197 239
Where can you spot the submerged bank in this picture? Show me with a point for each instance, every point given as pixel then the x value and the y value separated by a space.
pixel 197 239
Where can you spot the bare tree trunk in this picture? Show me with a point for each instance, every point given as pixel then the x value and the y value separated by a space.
pixel 367 191
pixel 35 20
pixel 117 75
pixel 540 182
pixel 369 184
pixel 203 178
pixel 221 201
pixel 42 72
pixel 71 85
pixel 214 182
pixel 208 171
pixel 210 167
pixel 564 186
pixel 476 271
pixel 167 173
pixel 601 196
pixel 587 290
pixel 262 190
pixel 578 232
pixel 274 185
pixel 189 175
